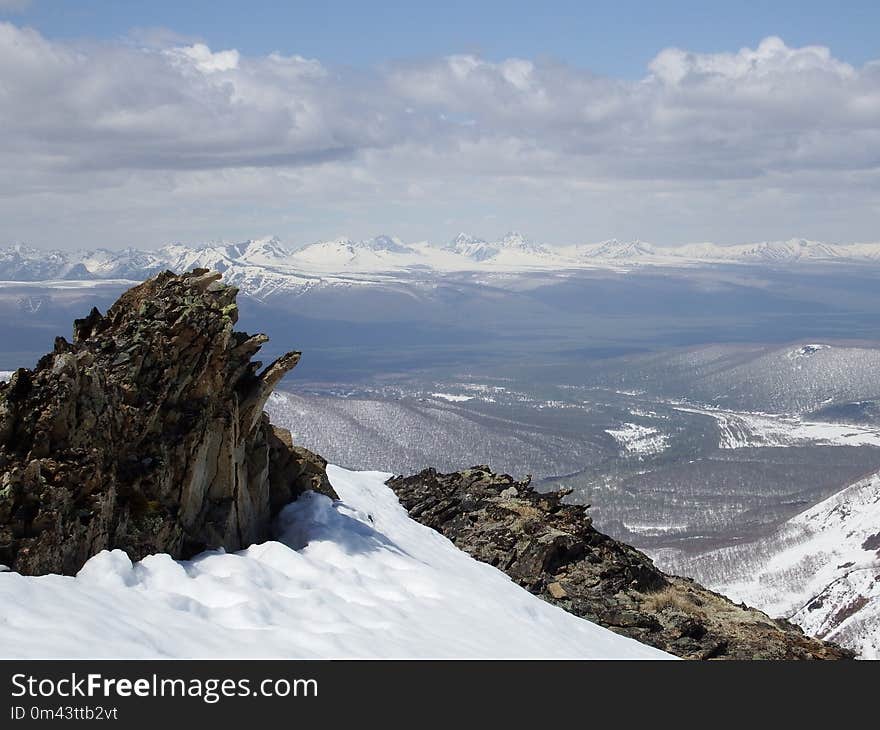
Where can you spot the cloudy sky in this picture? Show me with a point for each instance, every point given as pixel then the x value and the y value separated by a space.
pixel 126 125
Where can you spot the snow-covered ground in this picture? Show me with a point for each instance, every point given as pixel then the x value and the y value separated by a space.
pixel 642 440
pixel 355 578
pixel 452 398
pixel 821 569
pixel 748 430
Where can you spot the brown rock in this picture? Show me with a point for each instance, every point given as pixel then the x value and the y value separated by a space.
pixel 542 542
pixel 146 433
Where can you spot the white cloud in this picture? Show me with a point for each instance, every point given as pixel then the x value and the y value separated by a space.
pixel 205 60
pixel 771 59
pixel 762 142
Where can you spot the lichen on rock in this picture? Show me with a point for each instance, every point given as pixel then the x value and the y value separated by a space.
pixel 552 549
pixel 146 433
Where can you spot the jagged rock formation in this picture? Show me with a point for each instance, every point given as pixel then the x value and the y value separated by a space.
pixel 551 549
pixel 146 433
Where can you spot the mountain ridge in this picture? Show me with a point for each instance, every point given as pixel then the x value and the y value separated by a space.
pixel 19 262
pixel 550 548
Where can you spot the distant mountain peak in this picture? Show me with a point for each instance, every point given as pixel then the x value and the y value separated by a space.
pixel 463 239
pixel 338 241
pixel 515 238
pixel 265 248
pixel 615 249
pixel 384 242
pixel 266 264
pixel 268 243
pixel 471 247
pixel 479 249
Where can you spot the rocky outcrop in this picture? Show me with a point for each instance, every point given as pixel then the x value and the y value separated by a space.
pixel 552 549
pixel 146 433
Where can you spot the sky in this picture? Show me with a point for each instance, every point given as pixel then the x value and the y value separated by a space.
pixel 144 123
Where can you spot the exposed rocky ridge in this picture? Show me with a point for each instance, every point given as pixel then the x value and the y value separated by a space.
pixel 552 549
pixel 146 433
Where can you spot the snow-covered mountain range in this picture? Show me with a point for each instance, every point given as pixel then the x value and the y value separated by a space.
pixel 260 261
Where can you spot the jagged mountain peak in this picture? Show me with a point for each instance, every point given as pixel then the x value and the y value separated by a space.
pixel 463 239
pixel 384 242
pixel 478 249
pixel 268 248
pixel 616 249
pixel 514 238
pixel 471 247
pixel 515 241
pixel 343 253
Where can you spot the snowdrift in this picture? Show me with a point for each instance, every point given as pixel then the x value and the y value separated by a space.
pixel 353 578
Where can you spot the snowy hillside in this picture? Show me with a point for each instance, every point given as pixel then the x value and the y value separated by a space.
pixel 356 578
pixel 441 429
pixel 821 569
pixel 383 253
pixel 801 378
pixel 795 249
pixel 773 430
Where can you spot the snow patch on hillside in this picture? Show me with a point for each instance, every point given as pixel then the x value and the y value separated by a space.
pixel 354 578
pixel 637 439
pixel 755 430
pixel 807 350
pixel 452 398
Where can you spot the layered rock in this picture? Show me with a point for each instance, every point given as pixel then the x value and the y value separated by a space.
pixel 552 549
pixel 146 433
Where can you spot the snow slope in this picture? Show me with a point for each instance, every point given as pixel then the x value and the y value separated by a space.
pixel 355 578
pixel 821 569
pixel 383 253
